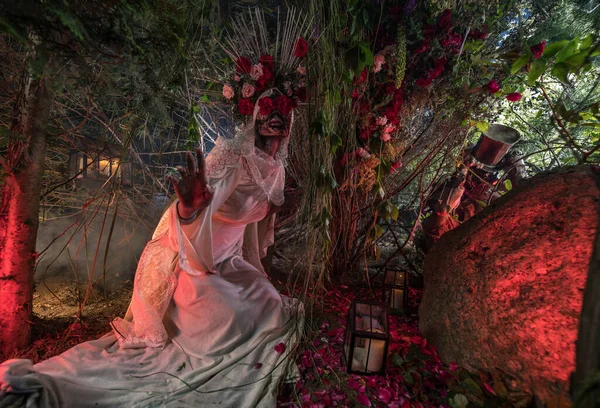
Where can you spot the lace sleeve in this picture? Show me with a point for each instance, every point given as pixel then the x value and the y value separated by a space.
pixel 154 285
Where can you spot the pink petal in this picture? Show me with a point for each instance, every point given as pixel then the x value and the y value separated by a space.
pixel 488 388
pixel 353 384
pixel 385 395
pixel 363 400
pixel 280 348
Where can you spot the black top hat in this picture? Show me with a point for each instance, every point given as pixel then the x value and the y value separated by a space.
pixel 494 143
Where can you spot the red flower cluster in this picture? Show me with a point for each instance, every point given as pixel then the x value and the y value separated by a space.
pixel 538 49
pixel 445 19
pixel 493 86
pixel 362 78
pixel 452 40
pixel 479 34
pixel 438 68
pixel 514 97
pixel 300 48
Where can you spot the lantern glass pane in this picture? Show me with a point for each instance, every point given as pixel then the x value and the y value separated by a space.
pixel 397 299
pixel 369 355
pixel 395 278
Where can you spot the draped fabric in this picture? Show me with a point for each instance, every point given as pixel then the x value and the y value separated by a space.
pixel 204 319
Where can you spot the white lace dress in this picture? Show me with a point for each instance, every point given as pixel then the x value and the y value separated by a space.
pixel 205 325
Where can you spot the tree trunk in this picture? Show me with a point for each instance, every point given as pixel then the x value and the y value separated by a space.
pixel 19 213
pixel 587 362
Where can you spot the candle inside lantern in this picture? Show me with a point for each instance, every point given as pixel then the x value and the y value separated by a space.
pixel 397 299
pixel 399 278
pixel 374 355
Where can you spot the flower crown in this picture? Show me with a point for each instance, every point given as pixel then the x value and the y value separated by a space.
pixel 257 70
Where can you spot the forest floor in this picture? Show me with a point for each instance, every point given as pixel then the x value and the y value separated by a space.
pixel 414 376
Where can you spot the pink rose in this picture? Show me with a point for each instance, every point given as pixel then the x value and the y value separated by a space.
pixel 389 129
pixel 228 91
pixel 237 78
pixel 256 71
pixel 381 121
pixel 247 90
pixel 362 153
pixel 378 62
pixel 493 86
pixel 301 70
pixel 386 137
pixel 514 97
pixel 538 49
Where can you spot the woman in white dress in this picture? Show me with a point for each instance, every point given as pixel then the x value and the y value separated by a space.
pixel 205 326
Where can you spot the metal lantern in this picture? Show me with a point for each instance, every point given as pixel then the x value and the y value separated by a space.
pixel 366 339
pixel 395 290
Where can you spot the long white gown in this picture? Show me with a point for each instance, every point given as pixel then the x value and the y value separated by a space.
pixel 205 326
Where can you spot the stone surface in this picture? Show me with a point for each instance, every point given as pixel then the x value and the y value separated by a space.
pixel 505 289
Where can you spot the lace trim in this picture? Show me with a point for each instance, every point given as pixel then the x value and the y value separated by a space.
pixel 154 285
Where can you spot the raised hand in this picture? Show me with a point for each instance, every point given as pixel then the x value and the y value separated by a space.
pixel 192 188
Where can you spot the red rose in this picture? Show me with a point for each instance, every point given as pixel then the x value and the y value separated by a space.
pixel 264 80
pixel 514 97
pixel 245 106
pixel 301 93
pixel 266 106
pixel 300 48
pixel 355 94
pixel 493 86
pixel 445 19
pixel 538 49
pixel 267 61
pixel 283 104
pixel 438 68
pixel 243 65
pixel 395 166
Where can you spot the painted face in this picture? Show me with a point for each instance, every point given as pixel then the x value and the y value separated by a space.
pixel 275 124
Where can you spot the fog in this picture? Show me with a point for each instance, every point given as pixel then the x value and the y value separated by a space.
pixel 74 247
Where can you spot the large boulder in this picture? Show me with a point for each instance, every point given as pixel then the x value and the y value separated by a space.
pixel 505 289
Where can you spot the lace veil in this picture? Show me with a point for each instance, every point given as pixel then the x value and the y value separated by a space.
pixel 268 172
